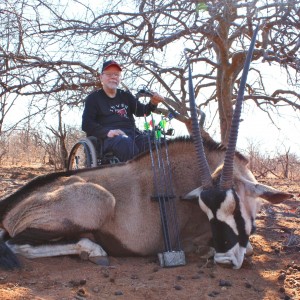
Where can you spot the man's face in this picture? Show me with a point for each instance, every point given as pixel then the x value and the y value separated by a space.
pixel 111 77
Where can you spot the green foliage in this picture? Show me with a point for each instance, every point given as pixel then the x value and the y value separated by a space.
pixel 201 6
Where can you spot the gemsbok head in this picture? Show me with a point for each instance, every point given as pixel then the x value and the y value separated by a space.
pixel 227 196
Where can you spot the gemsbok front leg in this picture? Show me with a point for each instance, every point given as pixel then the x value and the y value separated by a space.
pixel 84 248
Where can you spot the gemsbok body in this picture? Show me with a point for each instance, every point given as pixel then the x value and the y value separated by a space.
pixel 54 214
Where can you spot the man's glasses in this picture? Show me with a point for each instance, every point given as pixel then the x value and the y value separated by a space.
pixel 111 75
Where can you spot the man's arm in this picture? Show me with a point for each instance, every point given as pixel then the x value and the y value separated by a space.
pixel 156 99
pixel 89 119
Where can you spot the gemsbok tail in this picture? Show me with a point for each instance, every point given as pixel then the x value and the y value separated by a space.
pixel 8 259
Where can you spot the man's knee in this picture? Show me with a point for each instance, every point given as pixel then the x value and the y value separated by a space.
pixel 124 148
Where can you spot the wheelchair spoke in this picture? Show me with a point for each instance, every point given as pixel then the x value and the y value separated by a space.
pixel 80 157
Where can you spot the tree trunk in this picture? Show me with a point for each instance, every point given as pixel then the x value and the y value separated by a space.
pixel 224 94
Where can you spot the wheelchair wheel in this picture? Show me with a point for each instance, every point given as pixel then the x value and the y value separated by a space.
pixel 83 155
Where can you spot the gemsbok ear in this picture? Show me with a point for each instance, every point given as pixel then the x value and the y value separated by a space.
pixel 267 193
pixel 193 195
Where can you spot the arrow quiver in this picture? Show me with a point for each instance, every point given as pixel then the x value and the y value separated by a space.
pixel 164 193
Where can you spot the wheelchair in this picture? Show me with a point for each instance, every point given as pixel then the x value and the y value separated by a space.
pixel 88 153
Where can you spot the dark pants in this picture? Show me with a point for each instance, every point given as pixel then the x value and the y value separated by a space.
pixel 126 147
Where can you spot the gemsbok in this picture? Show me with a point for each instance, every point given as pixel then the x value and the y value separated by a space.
pixel 108 210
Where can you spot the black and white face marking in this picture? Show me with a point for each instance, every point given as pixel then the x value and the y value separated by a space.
pixel 230 226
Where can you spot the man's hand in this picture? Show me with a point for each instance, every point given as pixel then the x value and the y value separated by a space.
pixel 156 98
pixel 115 132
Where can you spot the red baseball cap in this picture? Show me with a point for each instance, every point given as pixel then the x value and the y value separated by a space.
pixel 110 63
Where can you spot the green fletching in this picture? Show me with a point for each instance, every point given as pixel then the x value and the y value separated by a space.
pixel 146 126
pixel 158 134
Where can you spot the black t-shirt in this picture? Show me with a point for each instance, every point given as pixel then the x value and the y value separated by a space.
pixel 102 113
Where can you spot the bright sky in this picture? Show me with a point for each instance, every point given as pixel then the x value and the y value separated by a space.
pixel 258 129
pixel 279 134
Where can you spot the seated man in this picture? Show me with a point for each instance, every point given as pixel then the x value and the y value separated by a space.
pixel 108 115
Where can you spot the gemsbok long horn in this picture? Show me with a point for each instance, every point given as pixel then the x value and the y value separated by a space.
pixel 205 174
pixel 227 172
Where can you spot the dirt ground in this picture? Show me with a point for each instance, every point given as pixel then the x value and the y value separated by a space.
pixel 273 272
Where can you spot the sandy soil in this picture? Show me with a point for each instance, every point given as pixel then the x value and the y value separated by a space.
pixel 273 272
